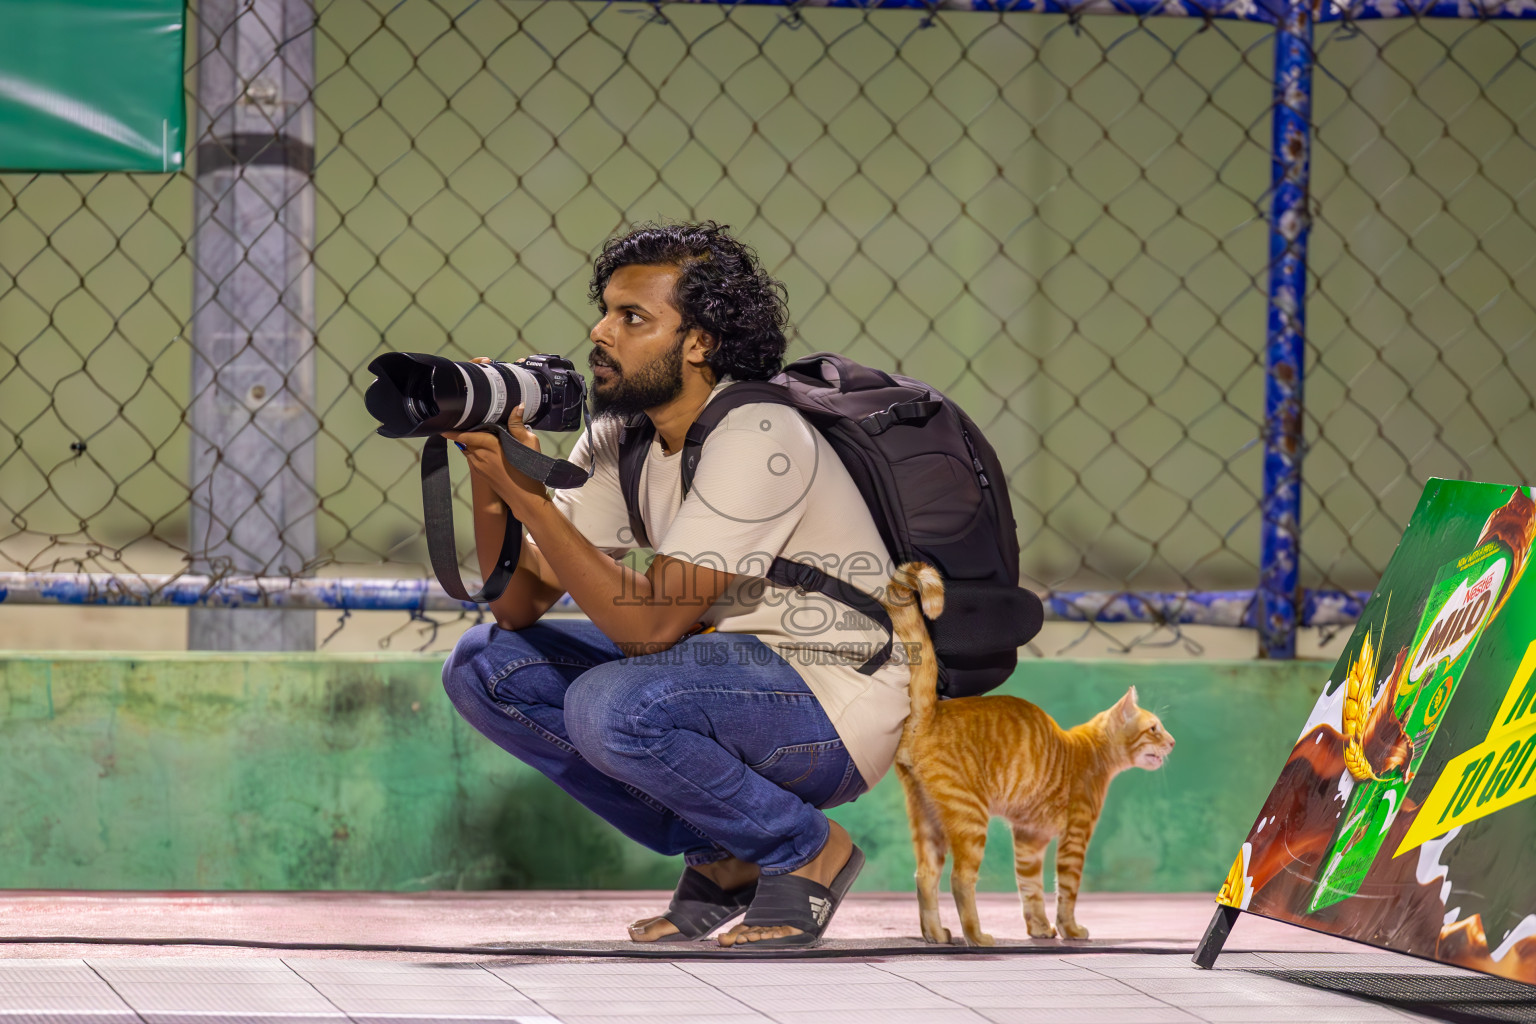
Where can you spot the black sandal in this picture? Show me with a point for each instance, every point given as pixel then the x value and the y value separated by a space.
pixel 795 902
pixel 699 906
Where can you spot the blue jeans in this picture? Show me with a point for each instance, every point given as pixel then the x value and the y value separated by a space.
pixel 712 748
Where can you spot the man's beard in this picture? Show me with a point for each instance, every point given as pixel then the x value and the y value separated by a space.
pixel 627 393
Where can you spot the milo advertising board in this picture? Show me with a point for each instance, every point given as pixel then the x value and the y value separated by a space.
pixel 1403 817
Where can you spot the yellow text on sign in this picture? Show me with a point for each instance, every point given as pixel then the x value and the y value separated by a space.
pixel 1496 773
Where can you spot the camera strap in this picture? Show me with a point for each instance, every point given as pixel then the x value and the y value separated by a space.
pixel 437 511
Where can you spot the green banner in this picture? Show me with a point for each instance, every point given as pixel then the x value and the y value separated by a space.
pixel 91 85
pixel 1403 815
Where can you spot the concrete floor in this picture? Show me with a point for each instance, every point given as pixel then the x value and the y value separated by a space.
pixel 881 973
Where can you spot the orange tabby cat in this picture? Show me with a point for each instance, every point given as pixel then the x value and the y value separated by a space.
pixel 964 761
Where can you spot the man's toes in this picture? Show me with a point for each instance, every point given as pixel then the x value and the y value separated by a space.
pixel 759 934
pixel 651 929
pixel 742 935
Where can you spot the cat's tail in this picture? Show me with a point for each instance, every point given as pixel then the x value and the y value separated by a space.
pixel 915 590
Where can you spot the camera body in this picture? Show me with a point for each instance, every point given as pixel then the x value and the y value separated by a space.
pixel 419 395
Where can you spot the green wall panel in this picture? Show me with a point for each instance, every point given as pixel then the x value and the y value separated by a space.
pixel 207 771
pixel 91 85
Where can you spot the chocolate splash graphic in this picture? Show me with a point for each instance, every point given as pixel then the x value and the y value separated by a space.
pixel 1305 807
pixel 1513 523
pixel 1305 802
pixel 1386 743
pixel 1391 909
pixel 1466 945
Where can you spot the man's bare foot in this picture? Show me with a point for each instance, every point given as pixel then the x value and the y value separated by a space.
pixel 728 874
pixel 822 869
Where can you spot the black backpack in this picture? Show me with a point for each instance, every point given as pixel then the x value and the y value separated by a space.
pixel 933 485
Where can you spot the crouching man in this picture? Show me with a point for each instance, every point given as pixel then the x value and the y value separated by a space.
pixel 702 711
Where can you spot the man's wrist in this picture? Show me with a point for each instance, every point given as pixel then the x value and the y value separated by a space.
pixel 529 508
pixel 483 495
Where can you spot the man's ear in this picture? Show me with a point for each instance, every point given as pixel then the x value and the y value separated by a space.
pixel 697 346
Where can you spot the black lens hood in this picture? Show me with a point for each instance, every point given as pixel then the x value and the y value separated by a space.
pixel 398 375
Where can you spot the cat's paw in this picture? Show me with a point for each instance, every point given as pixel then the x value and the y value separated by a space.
pixel 980 939
pixel 1072 930
pixel 1041 931
pixel 939 935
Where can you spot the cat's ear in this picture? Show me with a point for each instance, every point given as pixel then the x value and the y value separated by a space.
pixel 1127 708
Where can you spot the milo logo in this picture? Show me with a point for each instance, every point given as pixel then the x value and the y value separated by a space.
pixel 1459 620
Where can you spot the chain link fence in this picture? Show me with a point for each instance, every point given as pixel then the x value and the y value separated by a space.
pixel 1060 221
pixel 1423 297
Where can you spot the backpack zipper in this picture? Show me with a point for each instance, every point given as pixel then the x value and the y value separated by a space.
pixel 981 471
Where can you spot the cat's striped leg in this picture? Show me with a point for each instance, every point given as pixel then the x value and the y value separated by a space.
pixel 964 819
pixel 1029 869
pixel 928 848
pixel 1071 850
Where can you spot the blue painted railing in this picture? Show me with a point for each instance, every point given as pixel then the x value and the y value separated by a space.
pixel 1190 608
pixel 1277 607
pixel 1238 10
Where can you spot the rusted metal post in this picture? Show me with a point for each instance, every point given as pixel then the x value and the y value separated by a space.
pixel 1279 596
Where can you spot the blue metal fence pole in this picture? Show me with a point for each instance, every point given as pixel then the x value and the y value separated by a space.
pixel 1285 350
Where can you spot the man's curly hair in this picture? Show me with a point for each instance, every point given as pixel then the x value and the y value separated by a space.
pixel 721 289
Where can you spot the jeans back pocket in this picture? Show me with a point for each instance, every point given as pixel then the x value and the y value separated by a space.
pixel 817 773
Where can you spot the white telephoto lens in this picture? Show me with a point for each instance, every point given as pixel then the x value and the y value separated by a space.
pixel 497 387
pixel 529 385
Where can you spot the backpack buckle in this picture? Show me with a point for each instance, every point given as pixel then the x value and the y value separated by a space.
pixel 915 412
pixel 802 576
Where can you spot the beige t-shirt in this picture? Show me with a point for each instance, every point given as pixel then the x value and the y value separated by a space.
pixel 767 484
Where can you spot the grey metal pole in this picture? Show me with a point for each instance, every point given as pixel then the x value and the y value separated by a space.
pixel 253 380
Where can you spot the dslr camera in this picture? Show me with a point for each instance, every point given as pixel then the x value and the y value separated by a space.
pixel 419 395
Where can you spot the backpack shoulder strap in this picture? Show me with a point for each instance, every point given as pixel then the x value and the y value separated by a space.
pixel 634 444
pixel 806 577
pixel 639 432
pixel 784 572
pixel 747 392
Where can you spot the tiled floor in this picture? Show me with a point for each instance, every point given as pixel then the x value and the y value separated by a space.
pixel 1046 982
pixel 1083 988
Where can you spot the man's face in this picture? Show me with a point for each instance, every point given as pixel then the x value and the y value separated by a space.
pixel 637 354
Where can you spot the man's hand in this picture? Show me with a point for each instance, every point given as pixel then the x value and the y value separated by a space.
pixel 641 612
pixel 483 452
